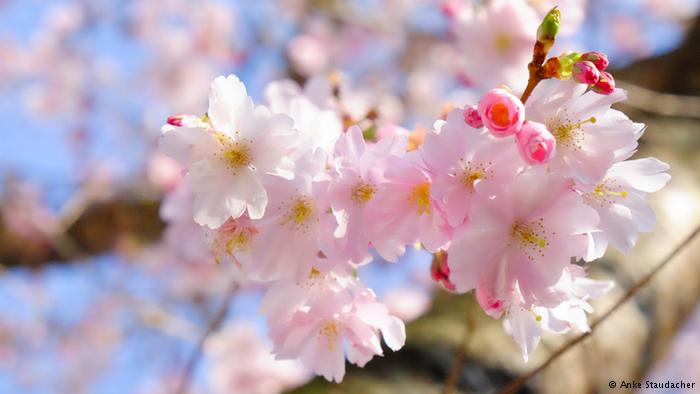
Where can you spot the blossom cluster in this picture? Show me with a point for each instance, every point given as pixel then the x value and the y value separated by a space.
pixel 511 192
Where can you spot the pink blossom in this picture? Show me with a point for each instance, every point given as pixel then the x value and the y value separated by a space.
pixel 338 318
pixel 599 59
pixel 620 202
pixel 472 117
pixel 317 125
pixel 524 235
pixel 502 34
pixel 409 211
pixel 606 84
pixel 502 113
pixel 464 162
pixel 299 218
pixel 242 363
pixel 535 143
pixel 590 135
pixel 228 157
pixel 525 321
pixel 586 72
pixel 353 190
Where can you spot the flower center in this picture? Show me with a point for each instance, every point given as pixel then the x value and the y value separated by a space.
pixel 502 42
pixel 420 198
pixel 300 213
pixel 607 192
pixel 499 114
pixel 568 133
pixel 236 154
pixel 362 193
pixel 330 331
pixel 530 237
pixel 231 238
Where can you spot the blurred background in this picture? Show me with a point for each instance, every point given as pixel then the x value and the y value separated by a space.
pixel 98 292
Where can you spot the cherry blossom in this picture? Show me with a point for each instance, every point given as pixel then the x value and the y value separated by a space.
pixel 525 235
pixel 464 162
pixel 228 156
pixel 590 135
pixel 620 202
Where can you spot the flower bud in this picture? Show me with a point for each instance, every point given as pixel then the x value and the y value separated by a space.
pixel 605 85
pixel 535 143
pixel 472 117
pixel 182 120
pixel 598 58
pixel 440 271
pixel 586 72
pixel 501 112
pixel 548 29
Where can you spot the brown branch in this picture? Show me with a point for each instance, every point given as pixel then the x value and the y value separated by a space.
pixel 658 103
pixel 99 228
pixel 213 326
pixel 458 361
pixel 515 385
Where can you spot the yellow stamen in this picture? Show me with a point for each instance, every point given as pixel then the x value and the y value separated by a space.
pixel 502 42
pixel 238 156
pixel 420 197
pixel 300 212
pixel 470 177
pixel 363 193
pixel 567 133
pixel 314 273
pixel 330 330
pixel 238 241
pixel 525 235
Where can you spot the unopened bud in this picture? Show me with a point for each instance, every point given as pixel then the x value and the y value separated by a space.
pixel 472 117
pixel 535 143
pixel 586 72
pixel 501 112
pixel 548 29
pixel 605 85
pixel 598 58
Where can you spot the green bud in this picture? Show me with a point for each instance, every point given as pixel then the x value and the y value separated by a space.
pixel 547 31
pixel 566 64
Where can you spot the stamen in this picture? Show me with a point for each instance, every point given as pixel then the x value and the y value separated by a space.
pixel 420 198
pixel 531 238
pixel 300 213
pixel 606 193
pixel 362 193
pixel 330 330
pixel 503 42
pixel 569 134
pixel 236 154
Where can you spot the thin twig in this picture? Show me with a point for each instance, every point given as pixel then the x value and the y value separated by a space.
pixel 661 103
pixel 515 385
pixel 458 360
pixel 213 326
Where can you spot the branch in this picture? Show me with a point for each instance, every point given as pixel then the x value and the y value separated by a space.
pixel 661 103
pixel 515 385
pixel 90 230
pixel 213 326
pixel 458 361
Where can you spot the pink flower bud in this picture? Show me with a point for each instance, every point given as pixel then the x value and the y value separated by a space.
pixel 535 143
pixel 599 59
pixel 605 85
pixel 440 272
pixel 472 117
pixel 502 113
pixel 586 72
pixel 181 120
